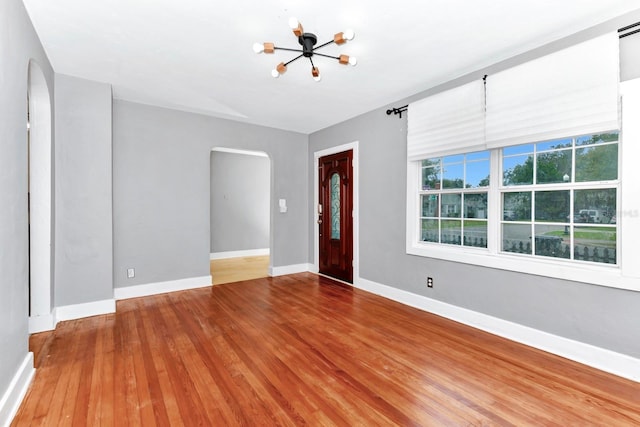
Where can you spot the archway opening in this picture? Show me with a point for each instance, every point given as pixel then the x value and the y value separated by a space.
pixel 39 169
pixel 240 215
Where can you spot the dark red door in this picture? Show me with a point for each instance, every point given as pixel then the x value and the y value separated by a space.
pixel 335 215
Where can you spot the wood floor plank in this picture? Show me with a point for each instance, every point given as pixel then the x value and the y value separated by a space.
pixel 230 270
pixel 304 350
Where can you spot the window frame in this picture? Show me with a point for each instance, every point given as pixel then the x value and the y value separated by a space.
pixel 621 275
pixel 440 190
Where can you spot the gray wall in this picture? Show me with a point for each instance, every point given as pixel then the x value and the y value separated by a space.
pixel 604 317
pixel 18 44
pixel 240 201
pixel 84 244
pixel 161 190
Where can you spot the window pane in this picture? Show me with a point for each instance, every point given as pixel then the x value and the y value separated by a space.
pixel 552 206
pixel 518 149
pixel 595 244
pixel 516 206
pixel 599 163
pixel 475 205
pixel 595 206
pixel 597 139
pixel 451 205
pixel 430 231
pixel 557 143
pixel 553 167
pixel 516 238
pixel 475 234
pixel 479 155
pixel 517 170
pixel 430 205
pixel 477 174
pixel 458 158
pixel 453 175
pixel 550 241
pixel 450 232
pixel 430 174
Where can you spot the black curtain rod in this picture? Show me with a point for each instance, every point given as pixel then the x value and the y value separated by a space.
pixel 621 30
pixel 398 110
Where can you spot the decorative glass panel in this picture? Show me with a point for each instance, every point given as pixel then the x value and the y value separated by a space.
pixel 335 206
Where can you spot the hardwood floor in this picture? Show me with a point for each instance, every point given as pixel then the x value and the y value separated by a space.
pixel 231 270
pixel 304 350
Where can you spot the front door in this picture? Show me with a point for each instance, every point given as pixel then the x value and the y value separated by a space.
pixel 335 215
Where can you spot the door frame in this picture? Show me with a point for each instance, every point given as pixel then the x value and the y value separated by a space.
pixel 356 207
pixel 272 206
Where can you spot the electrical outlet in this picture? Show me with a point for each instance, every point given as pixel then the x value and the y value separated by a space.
pixel 429 282
pixel 131 273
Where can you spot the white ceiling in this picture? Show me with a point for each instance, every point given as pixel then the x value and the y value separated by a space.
pixel 196 55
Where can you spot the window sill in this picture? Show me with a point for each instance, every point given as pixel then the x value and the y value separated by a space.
pixel 605 275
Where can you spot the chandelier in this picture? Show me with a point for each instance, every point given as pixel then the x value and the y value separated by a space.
pixel 309 49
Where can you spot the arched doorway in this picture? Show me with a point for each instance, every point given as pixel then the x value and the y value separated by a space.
pixel 39 196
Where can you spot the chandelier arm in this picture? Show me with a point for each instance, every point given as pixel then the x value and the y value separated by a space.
pixel 294 59
pixel 287 49
pixel 327 56
pixel 324 44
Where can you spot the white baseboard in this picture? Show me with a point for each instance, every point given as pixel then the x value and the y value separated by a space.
pixel 239 254
pixel 290 269
pixel 42 323
pixel 12 398
pixel 87 309
pixel 161 287
pixel 596 357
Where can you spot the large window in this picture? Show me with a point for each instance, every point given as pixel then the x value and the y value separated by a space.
pixel 554 199
pixel 559 198
pixel 453 199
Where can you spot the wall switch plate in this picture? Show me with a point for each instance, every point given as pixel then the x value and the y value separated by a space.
pixel 131 273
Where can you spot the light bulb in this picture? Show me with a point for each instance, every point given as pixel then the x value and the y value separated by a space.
pixel 275 73
pixel 258 47
pixel 317 78
pixel 293 23
pixel 348 34
pixel 353 61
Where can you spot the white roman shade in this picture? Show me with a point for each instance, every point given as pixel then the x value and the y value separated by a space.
pixel 570 92
pixel 447 122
